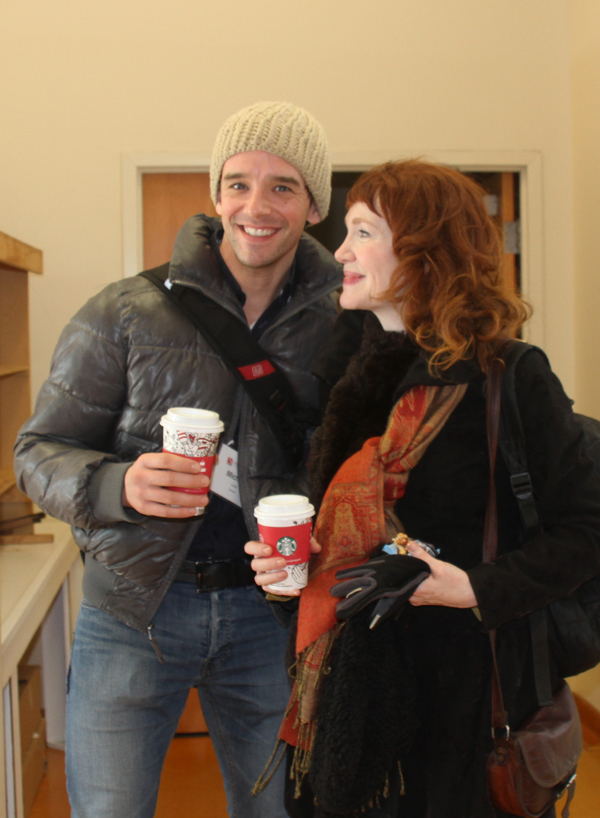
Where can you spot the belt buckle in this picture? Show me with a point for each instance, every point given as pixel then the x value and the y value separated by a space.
pixel 200 587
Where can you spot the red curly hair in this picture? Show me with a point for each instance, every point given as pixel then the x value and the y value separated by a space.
pixel 448 286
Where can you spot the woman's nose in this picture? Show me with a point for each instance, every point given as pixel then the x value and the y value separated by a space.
pixel 343 252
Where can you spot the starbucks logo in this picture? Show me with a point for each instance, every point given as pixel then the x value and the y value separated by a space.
pixel 286 546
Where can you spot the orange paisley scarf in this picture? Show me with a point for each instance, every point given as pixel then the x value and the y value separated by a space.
pixel 350 526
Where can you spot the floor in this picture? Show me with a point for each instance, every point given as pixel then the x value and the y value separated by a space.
pixel 191 782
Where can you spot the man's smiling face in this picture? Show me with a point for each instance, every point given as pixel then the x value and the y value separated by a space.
pixel 264 205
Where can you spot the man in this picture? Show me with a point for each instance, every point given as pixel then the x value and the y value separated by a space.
pixel 170 601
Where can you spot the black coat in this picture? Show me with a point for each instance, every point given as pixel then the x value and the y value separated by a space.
pixel 444 504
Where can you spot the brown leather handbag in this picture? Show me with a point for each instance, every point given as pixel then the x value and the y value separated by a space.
pixel 531 768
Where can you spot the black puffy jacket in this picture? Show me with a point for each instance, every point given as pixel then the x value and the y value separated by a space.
pixel 122 361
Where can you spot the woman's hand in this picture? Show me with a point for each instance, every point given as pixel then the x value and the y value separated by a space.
pixel 268 567
pixel 446 585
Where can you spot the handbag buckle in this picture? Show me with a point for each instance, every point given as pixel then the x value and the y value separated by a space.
pixel 567 785
pixel 521 485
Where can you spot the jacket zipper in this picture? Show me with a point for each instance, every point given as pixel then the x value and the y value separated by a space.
pixel 154 643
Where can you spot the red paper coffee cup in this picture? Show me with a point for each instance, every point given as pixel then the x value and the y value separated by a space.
pixel 285 523
pixel 192 433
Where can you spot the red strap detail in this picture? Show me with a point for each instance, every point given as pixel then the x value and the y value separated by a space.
pixel 257 370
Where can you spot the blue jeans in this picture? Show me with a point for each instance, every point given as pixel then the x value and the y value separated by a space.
pixel 123 706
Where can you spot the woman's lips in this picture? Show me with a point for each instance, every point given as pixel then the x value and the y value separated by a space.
pixel 352 278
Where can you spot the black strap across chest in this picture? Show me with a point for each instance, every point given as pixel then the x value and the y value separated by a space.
pixel 234 343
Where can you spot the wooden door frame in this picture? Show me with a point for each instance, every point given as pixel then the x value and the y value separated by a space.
pixel 527 163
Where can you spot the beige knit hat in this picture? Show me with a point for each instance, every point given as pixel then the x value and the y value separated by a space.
pixel 284 130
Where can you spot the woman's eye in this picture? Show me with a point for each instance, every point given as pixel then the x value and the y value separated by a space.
pixel 363 234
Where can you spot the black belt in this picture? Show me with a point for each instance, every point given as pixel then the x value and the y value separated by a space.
pixel 215 576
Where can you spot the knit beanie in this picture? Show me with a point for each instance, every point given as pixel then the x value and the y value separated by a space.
pixel 284 130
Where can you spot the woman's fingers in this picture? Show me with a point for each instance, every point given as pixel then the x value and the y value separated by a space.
pixel 267 567
pixel 315 548
pixel 415 550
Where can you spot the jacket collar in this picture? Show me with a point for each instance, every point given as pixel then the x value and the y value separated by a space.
pixel 194 264
pixel 418 374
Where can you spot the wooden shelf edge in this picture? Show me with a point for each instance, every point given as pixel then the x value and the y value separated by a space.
pixel 5 371
pixel 17 255
pixel 25 539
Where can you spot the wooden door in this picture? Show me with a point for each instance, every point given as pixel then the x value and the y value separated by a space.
pixel 168 200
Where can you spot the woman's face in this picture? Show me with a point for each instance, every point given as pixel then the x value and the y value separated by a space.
pixel 369 262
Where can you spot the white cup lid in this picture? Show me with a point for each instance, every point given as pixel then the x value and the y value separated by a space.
pixel 278 505
pixel 196 418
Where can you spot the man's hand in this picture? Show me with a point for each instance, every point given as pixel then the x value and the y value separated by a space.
pixel 264 565
pixel 150 486
pixel 446 585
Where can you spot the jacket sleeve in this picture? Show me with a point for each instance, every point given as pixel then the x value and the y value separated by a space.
pixel 62 454
pixel 566 488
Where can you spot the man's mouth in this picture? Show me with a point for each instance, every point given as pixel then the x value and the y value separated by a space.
pixel 259 231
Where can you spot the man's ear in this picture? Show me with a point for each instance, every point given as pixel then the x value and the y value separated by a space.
pixel 312 217
pixel 218 207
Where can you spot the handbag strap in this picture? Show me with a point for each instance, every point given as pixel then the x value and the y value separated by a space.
pixel 511 443
pixel 500 728
pixel 264 382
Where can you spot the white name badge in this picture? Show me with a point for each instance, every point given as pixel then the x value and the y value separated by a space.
pixel 225 475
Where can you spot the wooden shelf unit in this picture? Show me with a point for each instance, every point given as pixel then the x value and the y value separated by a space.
pixel 16 260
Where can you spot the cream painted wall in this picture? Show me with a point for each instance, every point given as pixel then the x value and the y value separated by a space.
pixel 84 82
pixel 585 21
pixel 585 28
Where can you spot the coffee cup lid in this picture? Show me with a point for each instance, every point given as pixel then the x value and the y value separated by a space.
pixel 278 505
pixel 196 418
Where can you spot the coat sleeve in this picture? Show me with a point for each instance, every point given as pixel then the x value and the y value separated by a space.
pixel 62 454
pixel 566 488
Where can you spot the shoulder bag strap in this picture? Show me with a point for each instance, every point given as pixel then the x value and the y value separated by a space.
pixel 264 382
pixel 512 446
pixel 500 728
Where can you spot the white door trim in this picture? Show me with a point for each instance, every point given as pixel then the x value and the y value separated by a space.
pixel 527 163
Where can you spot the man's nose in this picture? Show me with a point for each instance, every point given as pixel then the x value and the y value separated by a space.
pixel 258 204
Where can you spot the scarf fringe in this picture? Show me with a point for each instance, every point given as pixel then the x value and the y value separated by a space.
pixel 402 787
pixel 376 800
pixel 270 769
pixel 302 754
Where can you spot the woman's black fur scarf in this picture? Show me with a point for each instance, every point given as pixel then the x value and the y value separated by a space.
pixel 366 719
pixel 360 402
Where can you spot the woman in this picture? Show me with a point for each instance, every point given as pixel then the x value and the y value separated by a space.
pixel 396 720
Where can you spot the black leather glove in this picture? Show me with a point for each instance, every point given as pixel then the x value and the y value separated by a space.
pixel 389 577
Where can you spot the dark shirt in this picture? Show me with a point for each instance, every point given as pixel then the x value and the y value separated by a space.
pixel 223 533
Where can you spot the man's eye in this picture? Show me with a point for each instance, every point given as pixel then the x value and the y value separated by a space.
pixel 238 186
pixel 283 189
